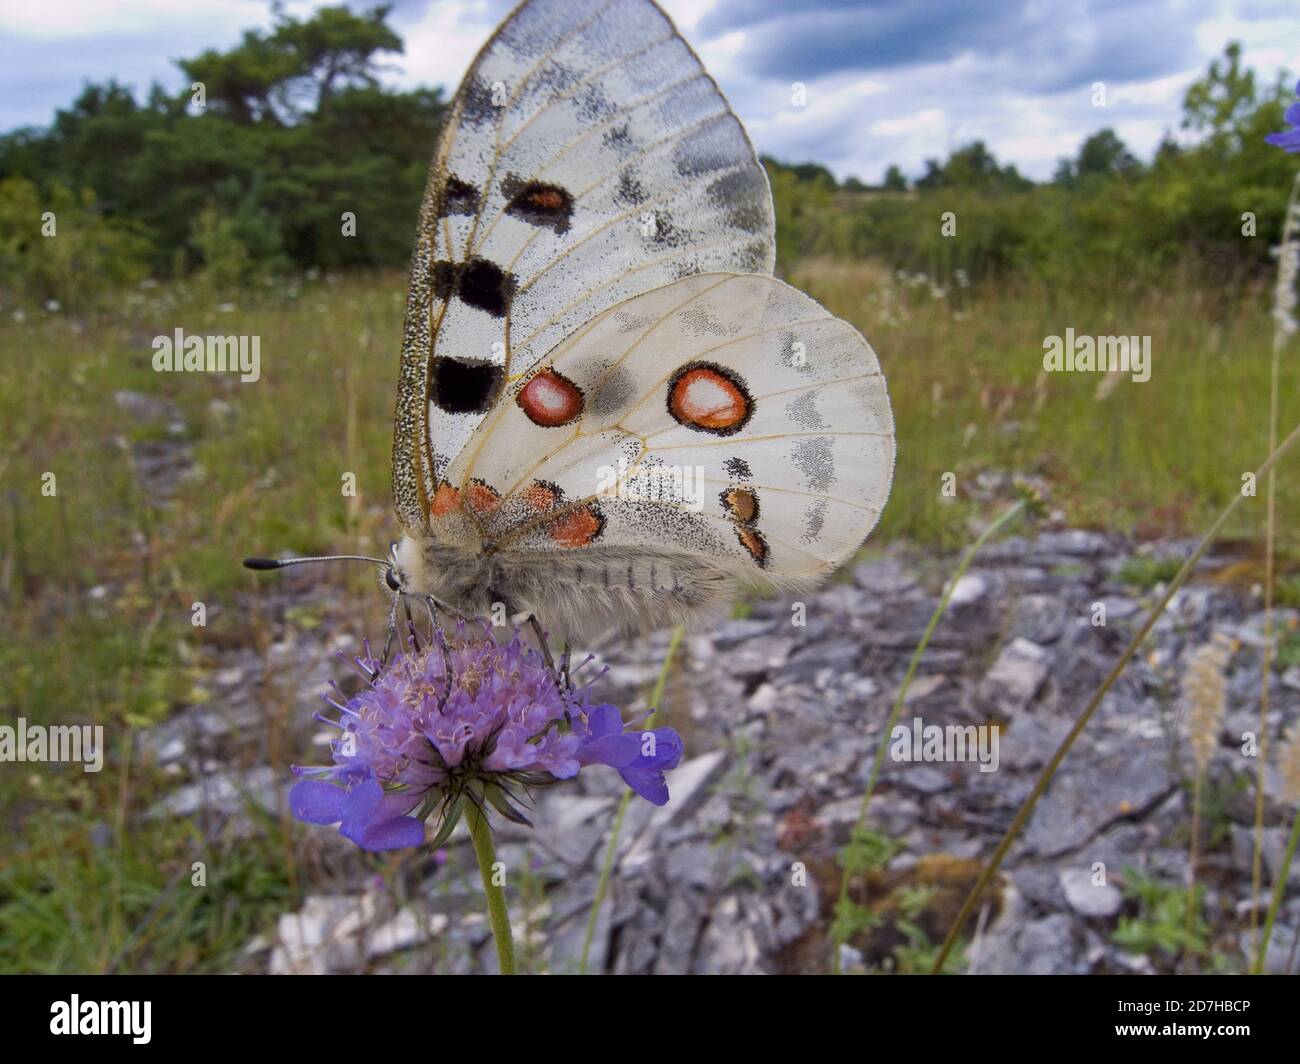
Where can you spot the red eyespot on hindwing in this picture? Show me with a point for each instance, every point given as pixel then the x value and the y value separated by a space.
pixel 550 399
pixel 709 398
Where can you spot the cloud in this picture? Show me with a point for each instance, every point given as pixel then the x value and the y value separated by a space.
pixel 1049 46
pixel 888 81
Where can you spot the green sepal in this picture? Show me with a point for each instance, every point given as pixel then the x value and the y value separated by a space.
pixel 496 797
pixel 449 822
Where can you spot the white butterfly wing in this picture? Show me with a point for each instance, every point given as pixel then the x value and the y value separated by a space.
pixel 587 157
pixel 727 417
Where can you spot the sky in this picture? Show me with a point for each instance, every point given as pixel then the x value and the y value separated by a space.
pixel 885 81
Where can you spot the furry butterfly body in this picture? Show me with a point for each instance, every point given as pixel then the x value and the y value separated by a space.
pixel 610 414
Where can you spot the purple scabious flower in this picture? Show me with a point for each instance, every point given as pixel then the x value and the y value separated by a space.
pixel 419 738
pixel 1289 140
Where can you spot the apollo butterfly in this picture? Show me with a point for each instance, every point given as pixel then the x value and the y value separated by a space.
pixel 592 289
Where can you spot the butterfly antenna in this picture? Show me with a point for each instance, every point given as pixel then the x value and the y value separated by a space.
pixel 263 564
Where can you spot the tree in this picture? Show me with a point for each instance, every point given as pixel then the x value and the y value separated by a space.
pixel 1223 97
pixel 1104 155
pixel 335 48
pixel 894 179
pixel 296 131
pixel 972 166
pixel 279 77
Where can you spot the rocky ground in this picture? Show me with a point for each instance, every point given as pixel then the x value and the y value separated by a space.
pixel 781 721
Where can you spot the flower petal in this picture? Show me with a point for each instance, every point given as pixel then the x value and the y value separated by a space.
pixel 613 750
pixel 317 803
pixel 649 783
pixel 668 748
pixel 604 720
pixel 398 833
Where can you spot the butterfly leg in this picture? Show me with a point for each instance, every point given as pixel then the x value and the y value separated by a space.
pixel 410 625
pixel 389 639
pixel 545 647
pixel 565 658
pixel 440 637
pixel 539 634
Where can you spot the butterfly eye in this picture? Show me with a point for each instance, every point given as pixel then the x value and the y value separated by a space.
pixel 390 578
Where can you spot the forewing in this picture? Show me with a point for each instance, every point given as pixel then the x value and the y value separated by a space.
pixel 587 157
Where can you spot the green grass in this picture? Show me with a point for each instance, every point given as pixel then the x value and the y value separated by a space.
pixel 97 584
pixel 1145 573
pixel 970 396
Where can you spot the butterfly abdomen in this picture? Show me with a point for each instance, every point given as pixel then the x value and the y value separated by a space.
pixel 577 596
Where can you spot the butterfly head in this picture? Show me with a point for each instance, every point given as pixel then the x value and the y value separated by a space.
pixel 394 575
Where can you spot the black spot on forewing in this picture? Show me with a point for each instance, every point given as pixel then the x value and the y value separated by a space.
pixel 658 227
pixel 538 203
pixel 479 107
pixel 618 139
pixel 630 191
pixel 754 258
pixel 592 105
pixel 478 283
pixel 464 386
pixel 713 145
pixel 743 196
pixel 458 197
pixel 485 285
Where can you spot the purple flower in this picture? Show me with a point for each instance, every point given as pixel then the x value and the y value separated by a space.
pixel 640 757
pixel 416 740
pixel 1289 140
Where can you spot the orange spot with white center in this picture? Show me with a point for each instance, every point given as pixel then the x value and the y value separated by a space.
pixel 578 527
pixel 710 398
pixel 550 399
pixel 445 500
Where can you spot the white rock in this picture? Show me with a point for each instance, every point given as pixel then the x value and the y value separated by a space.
pixel 1087 899
pixel 970 589
pixel 1016 676
pixel 408 928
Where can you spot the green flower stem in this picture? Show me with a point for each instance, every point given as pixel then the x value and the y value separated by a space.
pixel 481 832
pixel 607 868
pixel 1007 516
pixel 1049 770
pixel 1279 888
